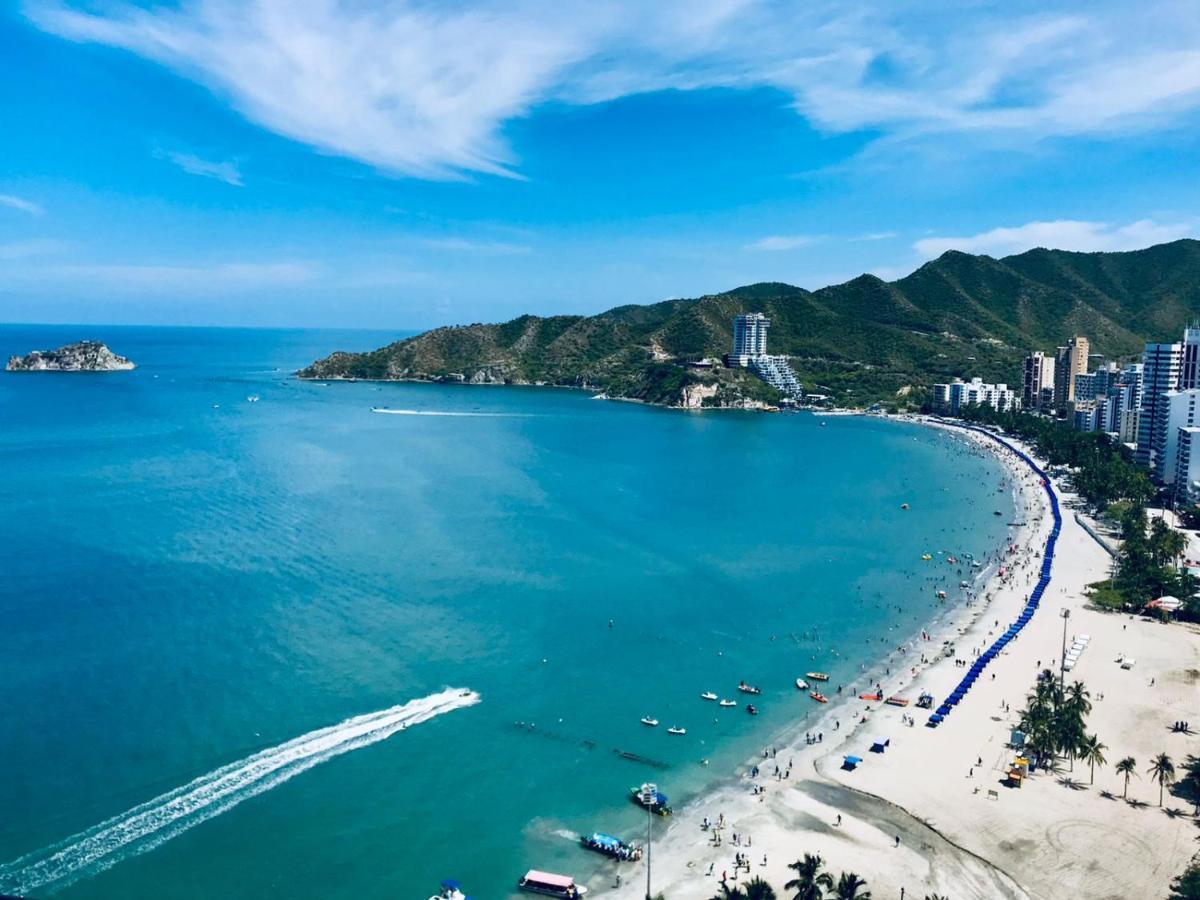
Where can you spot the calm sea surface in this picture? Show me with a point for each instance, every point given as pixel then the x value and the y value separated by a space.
pixel 189 580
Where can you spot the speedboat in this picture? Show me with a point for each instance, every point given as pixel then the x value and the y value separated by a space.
pixel 748 688
pixel 676 730
pixel 646 720
pixel 752 709
pixel 451 890
pixel 708 695
pixel 819 697
pixel 801 684
pixel 611 846
pixel 727 703
pixel 817 676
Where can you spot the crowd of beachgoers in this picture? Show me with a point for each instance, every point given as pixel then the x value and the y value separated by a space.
pixel 932 810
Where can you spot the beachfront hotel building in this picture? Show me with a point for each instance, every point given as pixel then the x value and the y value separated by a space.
pixel 1072 360
pixel 1181 410
pixel 950 398
pixel 750 352
pixel 750 335
pixel 1187 466
pixel 1161 367
pixel 1037 381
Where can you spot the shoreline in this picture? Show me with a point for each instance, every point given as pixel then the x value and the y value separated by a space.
pixel 902 820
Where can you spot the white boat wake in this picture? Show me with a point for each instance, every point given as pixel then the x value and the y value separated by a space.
pixel 153 823
pixel 434 412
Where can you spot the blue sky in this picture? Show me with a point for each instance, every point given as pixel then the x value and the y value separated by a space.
pixel 406 164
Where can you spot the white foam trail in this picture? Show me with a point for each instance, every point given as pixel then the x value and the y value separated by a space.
pixel 436 412
pixel 153 823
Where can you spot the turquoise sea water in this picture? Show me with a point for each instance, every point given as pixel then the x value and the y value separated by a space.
pixel 188 579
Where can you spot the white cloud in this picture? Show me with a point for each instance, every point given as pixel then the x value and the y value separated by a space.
pixel 1063 234
pixel 486 248
pixel 426 89
pixel 782 242
pixel 874 236
pixel 226 171
pixel 27 206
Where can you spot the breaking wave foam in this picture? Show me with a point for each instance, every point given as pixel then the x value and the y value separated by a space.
pixel 151 824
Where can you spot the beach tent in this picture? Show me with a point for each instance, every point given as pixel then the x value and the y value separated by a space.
pixel 849 763
pixel 1166 604
pixel 880 745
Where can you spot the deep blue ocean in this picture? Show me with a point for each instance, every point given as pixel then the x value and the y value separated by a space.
pixel 193 585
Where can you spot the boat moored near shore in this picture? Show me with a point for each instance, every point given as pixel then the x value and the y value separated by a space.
pixel 657 805
pixel 611 846
pixel 564 886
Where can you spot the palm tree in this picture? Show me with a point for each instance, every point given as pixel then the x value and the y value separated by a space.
pixel 1162 770
pixel 1092 751
pixel 810 882
pixel 730 893
pixel 757 889
pixel 849 887
pixel 1127 767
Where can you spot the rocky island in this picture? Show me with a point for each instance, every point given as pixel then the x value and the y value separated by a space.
pixel 82 356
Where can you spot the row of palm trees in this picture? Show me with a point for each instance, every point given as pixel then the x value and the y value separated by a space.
pixel 1054 723
pixel 812 882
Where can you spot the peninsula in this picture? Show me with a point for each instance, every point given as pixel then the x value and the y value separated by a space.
pixel 82 356
pixel 862 342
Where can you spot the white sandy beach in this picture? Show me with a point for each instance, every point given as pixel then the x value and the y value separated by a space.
pixel 1057 837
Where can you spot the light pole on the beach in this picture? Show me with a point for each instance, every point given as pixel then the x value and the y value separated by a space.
pixel 649 795
pixel 1062 662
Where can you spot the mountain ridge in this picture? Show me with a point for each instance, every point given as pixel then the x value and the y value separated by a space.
pixel 861 341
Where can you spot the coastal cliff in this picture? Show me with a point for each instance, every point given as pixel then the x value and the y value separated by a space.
pixel 82 356
pixel 860 342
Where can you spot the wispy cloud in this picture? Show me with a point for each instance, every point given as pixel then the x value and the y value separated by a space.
pixel 226 171
pixel 1063 234
pixel 487 248
pixel 33 247
pixel 189 278
pixel 426 89
pixel 874 236
pixel 782 242
pixel 26 206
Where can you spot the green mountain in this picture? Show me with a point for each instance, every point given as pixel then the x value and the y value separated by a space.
pixel 862 341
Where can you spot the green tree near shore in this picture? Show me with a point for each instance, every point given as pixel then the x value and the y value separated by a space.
pixel 1162 770
pixel 1127 767
pixel 1187 885
pixel 1054 721
pixel 850 887
pixel 1091 751
pixel 810 882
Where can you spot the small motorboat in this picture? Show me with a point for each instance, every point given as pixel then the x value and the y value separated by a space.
pixel 817 676
pixel 801 684
pixel 904 506
pixel 752 709
pixel 611 846
pixel 253 398
pixel 451 890
pixel 875 697
pixel 819 697
pixel 996 512
pixel 748 688
pixel 657 804
pixel 926 557
pixel 646 720
pixel 727 703
pixel 708 695
pixel 675 729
